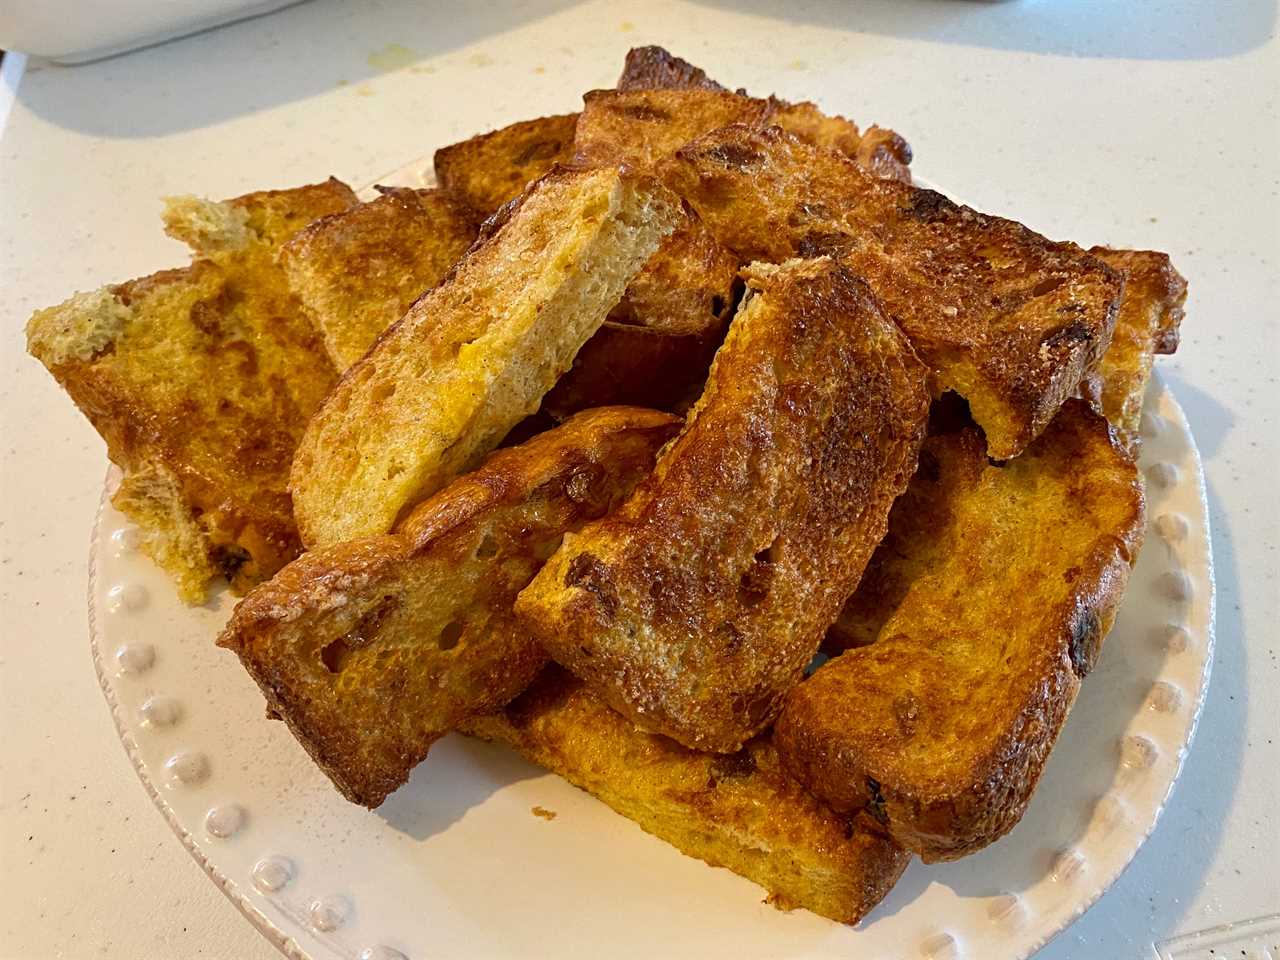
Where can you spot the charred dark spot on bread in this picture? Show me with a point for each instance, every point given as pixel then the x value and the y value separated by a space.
pixel 730 766
pixel 732 638
pixel 876 802
pixel 1071 333
pixel 734 156
pixel 1086 637
pixel 817 243
pixel 229 559
pixel 1047 286
pixel 589 573
pixel 929 206
pixel 642 111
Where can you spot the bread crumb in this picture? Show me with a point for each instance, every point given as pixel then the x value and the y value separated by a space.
pixel 543 812
pixel 80 329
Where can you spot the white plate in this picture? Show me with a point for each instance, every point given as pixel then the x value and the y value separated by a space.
pixel 456 864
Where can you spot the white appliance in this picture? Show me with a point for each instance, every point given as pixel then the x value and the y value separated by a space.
pixel 76 31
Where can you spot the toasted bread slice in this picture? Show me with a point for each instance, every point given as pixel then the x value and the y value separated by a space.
pixel 487 171
pixel 1149 315
pixel 474 356
pixel 268 217
pixel 645 127
pixel 656 68
pixel 1007 319
pixel 201 381
pixel 374 649
pixel 728 564
pixel 978 617
pixel 880 152
pixel 740 811
pixel 657 343
pixel 358 271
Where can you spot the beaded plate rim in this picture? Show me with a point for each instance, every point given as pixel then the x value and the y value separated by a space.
pixel 1152 747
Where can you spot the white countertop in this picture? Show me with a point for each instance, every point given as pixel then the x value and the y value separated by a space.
pixel 1137 124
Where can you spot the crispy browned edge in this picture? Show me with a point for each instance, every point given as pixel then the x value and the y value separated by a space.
pixel 645 568
pixel 740 811
pixel 404 236
pixel 488 170
pixel 1147 323
pixel 352 378
pixel 653 350
pixel 753 189
pixel 880 151
pixel 655 68
pixel 1168 287
pixel 964 817
pixel 656 345
pixel 644 127
pixel 347 728
pixel 247 534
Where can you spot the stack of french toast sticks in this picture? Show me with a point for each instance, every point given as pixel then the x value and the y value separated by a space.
pixel 595 447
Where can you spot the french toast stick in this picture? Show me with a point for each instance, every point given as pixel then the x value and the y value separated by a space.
pixel 485 172
pixel 476 354
pixel 201 380
pixel 695 606
pixel 372 650
pixel 358 271
pixel 1147 323
pixel 656 68
pixel 656 345
pixel 969 636
pixel 1002 316
pixel 740 811
pixel 644 127
pixel 880 152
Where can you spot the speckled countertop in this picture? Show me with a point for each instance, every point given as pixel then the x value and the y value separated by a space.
pixel 1139 124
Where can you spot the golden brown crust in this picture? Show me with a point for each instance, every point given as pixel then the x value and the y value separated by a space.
pixel 1146 323
pixel 740 811
pixel 442 387
pixel 645 127
pixel 731 560
pixel 1004 317
pixel 655 68
pixel 974 624
pixel 880 152
pixel 358 271
pixel 487 171
pixel 201 381
pixel 372 650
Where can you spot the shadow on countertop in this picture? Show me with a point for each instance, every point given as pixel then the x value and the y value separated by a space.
pixel 307 49
pixel 1178 30
pixel 1172 867
pixel 263 62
